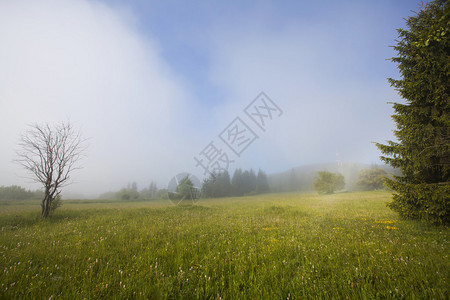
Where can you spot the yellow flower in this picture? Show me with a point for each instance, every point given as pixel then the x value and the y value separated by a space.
pixel 338 228
pixel 391 227
pixel 385 222
pixel 270 228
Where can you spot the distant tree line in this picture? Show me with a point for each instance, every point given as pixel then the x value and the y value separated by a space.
pixel 131 192
pixel 248 182
pixel 290 181
pixel 15 192
pixel 368 180
pixel 216 185
pixel 357 177
pixel 242 183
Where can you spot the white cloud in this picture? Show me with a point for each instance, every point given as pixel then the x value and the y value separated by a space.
pixel 332 102
pixel 88 62
pixel 85 62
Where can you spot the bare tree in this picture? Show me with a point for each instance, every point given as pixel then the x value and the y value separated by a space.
pixel 50 154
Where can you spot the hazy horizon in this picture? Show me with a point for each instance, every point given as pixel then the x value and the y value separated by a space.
pixel 151 84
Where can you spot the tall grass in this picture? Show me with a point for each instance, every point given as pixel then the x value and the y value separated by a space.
pixel 283 246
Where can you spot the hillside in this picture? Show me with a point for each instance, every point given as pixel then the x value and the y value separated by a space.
pixel 302 178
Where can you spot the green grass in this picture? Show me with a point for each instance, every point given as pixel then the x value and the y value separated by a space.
pixel 281 246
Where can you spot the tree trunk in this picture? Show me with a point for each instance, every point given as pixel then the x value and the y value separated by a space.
pixel 46 205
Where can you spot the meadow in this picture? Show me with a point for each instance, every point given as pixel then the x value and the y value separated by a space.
pixel 273 246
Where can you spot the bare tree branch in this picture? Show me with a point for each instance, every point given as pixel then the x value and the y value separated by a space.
pixel 50 154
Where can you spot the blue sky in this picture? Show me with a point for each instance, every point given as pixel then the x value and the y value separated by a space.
pixel 152 83
pixel 186 31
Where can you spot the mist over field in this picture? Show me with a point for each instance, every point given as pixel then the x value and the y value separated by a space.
pixel 224 150
pixel 151 84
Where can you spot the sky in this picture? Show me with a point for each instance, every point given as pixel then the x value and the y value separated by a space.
pixel 153 84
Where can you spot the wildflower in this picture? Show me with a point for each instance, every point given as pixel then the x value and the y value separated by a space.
pixel 270 228
pixel 391 227
pixel 385 222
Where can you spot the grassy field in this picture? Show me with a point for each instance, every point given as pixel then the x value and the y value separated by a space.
pixel 283 246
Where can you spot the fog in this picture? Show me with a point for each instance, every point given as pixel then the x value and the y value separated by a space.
pixel 151 84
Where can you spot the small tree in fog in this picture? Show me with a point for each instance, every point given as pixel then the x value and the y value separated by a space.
pixel 186 190
pixel 50 154
pixel 328 183
pixel 371 179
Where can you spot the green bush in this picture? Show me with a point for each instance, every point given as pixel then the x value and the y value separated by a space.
pixel 371 179
pixel 56 202
pixel 328 183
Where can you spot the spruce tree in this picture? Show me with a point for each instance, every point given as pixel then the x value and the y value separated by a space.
pixel 422 151
pixel 262 184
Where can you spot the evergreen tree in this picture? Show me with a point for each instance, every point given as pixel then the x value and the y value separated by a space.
pixel 248 183
pixel 245 184
pixel 262 184
pixel 217 185
pixel 242 183
pixel 207 187
pixel 422 152
pixel 236 183
pixel 252 182
pixel 223 184
pixel 186 189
